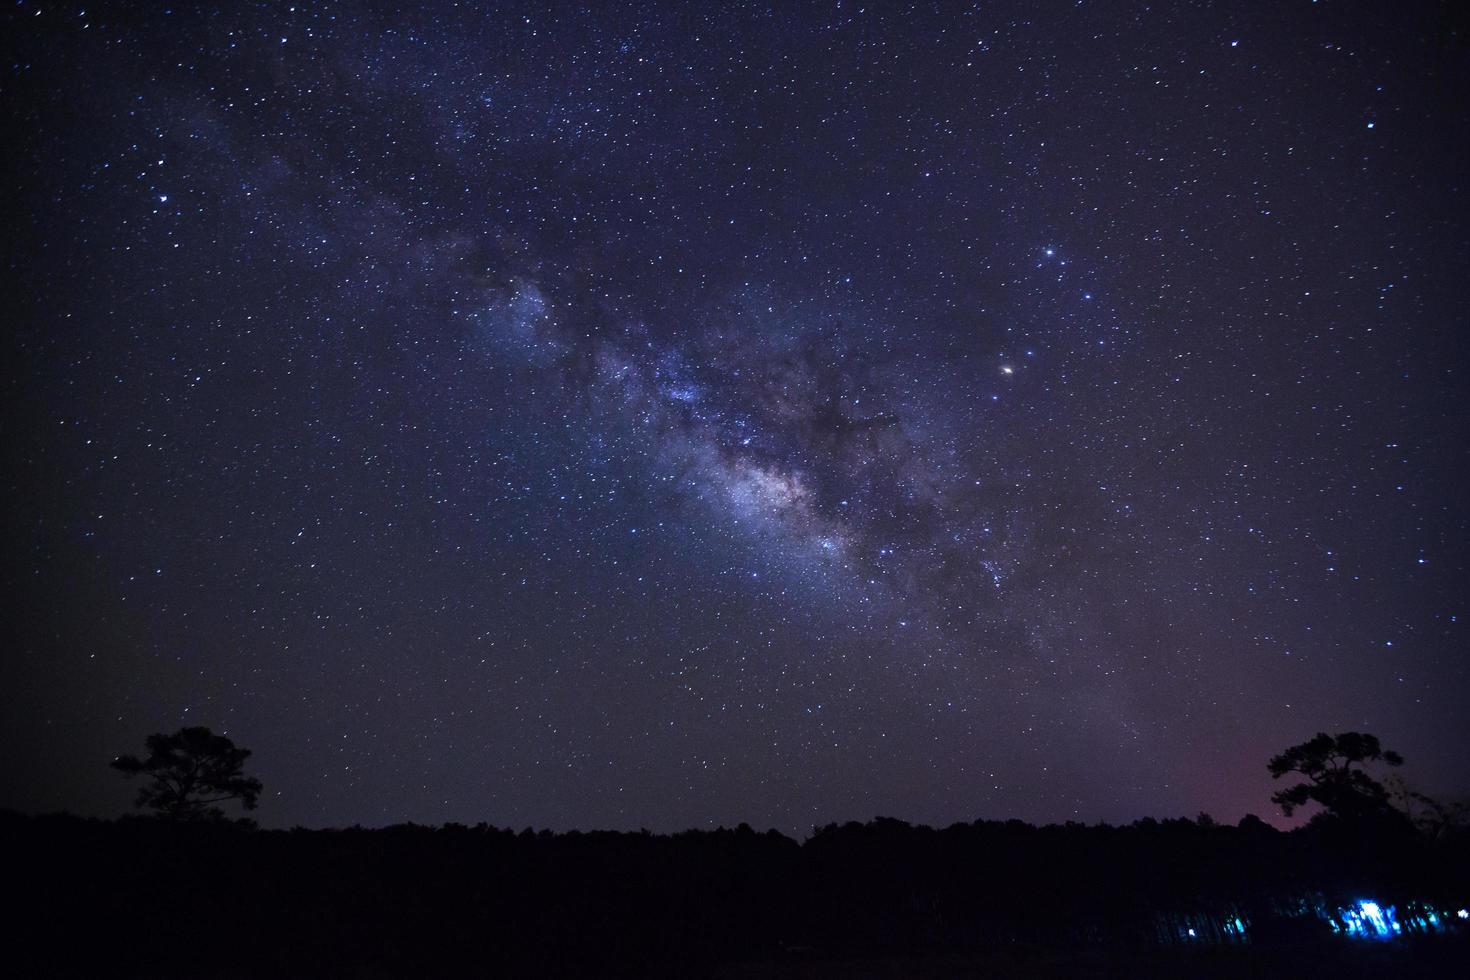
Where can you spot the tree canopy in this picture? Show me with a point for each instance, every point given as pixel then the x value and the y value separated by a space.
pixel 190 771
pixel 1335 775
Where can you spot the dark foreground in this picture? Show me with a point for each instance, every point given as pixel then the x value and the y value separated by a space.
pixel 1155 899
pixel 1441 957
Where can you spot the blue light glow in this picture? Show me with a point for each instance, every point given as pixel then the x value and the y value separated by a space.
pixel 1369 920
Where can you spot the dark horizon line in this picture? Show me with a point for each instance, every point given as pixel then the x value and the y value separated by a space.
pixel 1252 820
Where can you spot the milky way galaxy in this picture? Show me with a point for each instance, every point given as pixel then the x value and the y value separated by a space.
pixel 660 415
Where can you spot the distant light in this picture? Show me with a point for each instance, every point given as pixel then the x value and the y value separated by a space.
pixel 1370 125
pixel 1463 914
pixel 1370 920
pixel 1374 917
pixel 1007 369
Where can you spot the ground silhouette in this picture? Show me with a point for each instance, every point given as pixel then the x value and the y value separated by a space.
pixel 187 893
pixel 160 898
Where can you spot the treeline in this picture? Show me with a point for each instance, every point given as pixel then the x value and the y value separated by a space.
pixel 147 896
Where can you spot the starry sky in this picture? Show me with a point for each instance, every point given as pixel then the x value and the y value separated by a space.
pixel 672 415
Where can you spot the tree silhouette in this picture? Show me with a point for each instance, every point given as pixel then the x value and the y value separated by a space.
pixel 1335 775
pixel 190 771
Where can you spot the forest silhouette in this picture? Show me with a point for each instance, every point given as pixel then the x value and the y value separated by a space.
pixel 193 893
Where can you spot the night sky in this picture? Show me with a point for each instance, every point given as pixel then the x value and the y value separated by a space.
pixel 676 415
